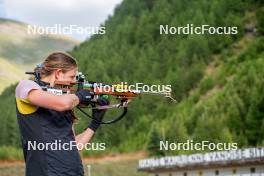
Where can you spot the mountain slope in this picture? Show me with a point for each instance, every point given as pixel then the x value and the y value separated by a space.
pixel 134 51
pixel 227 105
pixel 21 50
pixel 9 73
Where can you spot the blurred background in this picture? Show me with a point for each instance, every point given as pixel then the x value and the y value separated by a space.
pixel 217 79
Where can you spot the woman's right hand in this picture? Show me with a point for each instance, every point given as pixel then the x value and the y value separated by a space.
pixel 84 96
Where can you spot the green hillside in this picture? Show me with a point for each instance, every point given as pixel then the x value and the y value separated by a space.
pixel 19 50
pixel 217 79
pixel 9 73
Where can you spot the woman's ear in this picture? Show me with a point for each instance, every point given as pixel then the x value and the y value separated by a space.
pixel 58 73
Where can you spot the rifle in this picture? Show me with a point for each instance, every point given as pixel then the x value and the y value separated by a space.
pixel 120 92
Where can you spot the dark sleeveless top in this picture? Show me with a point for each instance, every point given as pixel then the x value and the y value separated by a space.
pixel 44 127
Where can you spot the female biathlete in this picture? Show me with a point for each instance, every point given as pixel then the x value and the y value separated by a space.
pixel 46 120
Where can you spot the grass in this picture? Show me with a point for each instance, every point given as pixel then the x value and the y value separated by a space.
pixel 10 153
pixel 113 168
pixel 11 164
pixel 106 168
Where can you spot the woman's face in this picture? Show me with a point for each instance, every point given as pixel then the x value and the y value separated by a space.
pixel 66 76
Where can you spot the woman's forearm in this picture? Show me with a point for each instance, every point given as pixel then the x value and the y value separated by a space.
pixel 84 137
pixel 50 101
